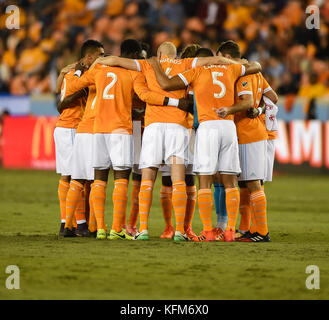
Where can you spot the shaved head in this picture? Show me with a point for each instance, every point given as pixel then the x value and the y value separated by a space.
pixel 167 49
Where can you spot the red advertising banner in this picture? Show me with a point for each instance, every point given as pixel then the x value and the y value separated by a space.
pixel 28 142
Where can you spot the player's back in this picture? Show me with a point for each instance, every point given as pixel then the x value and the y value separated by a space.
pixel 168 114
pixel 250 130
pixel 213 87
pixel 86 125
pixel 70 117
pixel 114 91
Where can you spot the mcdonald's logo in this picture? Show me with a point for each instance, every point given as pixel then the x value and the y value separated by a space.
pixel 46 126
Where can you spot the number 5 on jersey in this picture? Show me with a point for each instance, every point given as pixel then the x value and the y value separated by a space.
pixel 216 81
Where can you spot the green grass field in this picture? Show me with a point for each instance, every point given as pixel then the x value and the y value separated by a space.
pixel 58 268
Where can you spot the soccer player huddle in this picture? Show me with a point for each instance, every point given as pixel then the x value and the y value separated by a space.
pixel 205 115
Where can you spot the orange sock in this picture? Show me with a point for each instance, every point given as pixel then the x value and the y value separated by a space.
pixel 98 194
pixel 133 215
pixel 73 198
pixel 258 206
pixel 86 191
pixel 92 225
pixel 232 206
pixel 120 199
pixel 190 206
pixel 179 201
pixel 245 209
pixel 166 204
pixel 145 202
pixel 205 208
pixel 80 211
pixel 63 188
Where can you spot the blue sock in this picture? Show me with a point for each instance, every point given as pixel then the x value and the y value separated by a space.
pixel 220 204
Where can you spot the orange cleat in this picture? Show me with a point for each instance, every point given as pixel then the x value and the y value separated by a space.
pixel 219 234
pixel 168 233
pixel 206 236
pixel 131 231
pixel 189 233
pixel 229 235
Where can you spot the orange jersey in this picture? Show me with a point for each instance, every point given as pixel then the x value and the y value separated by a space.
pixel 166 114
pixel 250 130
pixel 86 125
pixel 70 117
pixel 213 87
pixel 114 93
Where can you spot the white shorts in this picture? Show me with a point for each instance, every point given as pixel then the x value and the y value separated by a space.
pixel 216 148
pixel 270 159
pixel 64 140
pixel 82 158
pixel 162 141
pixel 253 160
pixel 112 150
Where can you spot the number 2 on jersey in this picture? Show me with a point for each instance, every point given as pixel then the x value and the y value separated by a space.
pixel 110 85
pixel 215 76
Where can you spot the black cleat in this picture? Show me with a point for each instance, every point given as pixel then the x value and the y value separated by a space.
pixel 244 236
pixel 82 230
pixel 256 237
pixel 91 234
pixel 61 229
pixel 69 233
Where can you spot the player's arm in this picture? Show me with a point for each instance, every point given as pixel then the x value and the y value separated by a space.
pixel 203 61
pixel 148 96
pixel 245 102
pixel 114 61
pixel 174 83
pixel 70 101
pixel 271 94
pixel 252 67
pixel 61 76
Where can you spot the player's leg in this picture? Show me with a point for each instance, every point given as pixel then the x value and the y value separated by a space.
pixel 179 197
pixel 232 194
pixel 75 203
pixel 205 164
pixel 145 201
pixel 133 215
pixel 254 171
pixel 220 205
pixel 102 163
pixel 245 210
pixel 120 200
pixel 150 160
pixel 63 188
pixel 64 138
pixel 166 204
pixel 190 205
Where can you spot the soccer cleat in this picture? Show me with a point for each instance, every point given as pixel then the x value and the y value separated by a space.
pixel 122 235
pixel 229 235
pixel 101 234
pixel 61 229
pixel 131 231
pixel 239 234
pixel 168 233
pixel 189 233
pixel 141 235
pixel 245 235
pixel 219 233
pixel 69 233
pixel 82 230
pixel 205 236
pixel 256 237
pixel 179 237
pixel 91 234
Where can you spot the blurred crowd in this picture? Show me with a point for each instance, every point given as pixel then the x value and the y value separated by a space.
pixel 294 58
